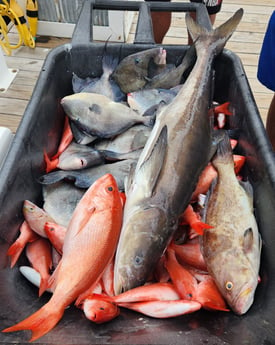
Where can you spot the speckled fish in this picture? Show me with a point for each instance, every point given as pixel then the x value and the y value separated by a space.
pixel 84 178
pixel 60 200
pixel 167 171
pixel 131 74
pixel 103 85
pixel 232 248
pixel 99 116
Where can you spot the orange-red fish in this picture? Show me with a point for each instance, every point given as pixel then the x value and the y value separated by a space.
pixel 149 292
pixel 36 217
pixel 56 234
pixel 39 254
pixel 184 282
pixel 191 217
pixel 209 296
pixel 99 310
pixel 190 254
pixel 164 309
pixel 26 235
pixel 108 279
pixel 95 224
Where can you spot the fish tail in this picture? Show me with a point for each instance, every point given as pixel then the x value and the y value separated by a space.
pixel 223 108
pixel 219 36
pixel 43 286
pixel 149 120
pixel 50 164
pixel 40 323
pixel 14 252
pixel 109 63
pixel 224 152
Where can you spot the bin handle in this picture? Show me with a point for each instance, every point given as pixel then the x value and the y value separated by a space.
pixel 83 32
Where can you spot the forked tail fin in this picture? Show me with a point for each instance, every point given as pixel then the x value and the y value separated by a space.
pixel 40 323
pixel 217 37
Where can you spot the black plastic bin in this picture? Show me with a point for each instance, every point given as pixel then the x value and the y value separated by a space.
pixel 40 129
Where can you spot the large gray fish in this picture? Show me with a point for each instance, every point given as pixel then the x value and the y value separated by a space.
pixel 168 169
pixel 60 200
pixel 86 177
pixel 99 116
pixel 232 248
pixel 103 85
pixel 131 74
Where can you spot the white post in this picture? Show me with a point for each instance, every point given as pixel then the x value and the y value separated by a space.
pixel 6 74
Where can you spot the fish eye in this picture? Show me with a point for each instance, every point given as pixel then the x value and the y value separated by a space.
pixel 138 260
pixel 229 286
pixel 137 60
pixel 110 188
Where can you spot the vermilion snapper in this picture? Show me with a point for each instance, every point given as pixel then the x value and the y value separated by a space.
pixel 96 224
pixel 39 254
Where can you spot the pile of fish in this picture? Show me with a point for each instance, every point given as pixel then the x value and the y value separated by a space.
pixel 146 176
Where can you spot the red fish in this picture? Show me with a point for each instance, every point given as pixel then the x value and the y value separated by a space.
pixel 39 253
pixel 99 310
pixel 164 309
pixel 108 279
pixel 36 217
pixel 190 254
pixel 223 108
pixel 96 224
pixel 26 235
pixel 56 234
pixel 184 282
pixel 66 139
pixel 209 296
pixel 190 217
pixel 149 292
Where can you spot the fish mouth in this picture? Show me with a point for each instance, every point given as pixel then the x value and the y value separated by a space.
pixel 243 301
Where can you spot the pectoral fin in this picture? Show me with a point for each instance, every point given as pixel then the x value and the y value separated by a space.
pixel 148 172
pixel 248 240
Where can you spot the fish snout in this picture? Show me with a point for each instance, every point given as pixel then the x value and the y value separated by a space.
pixel 244 300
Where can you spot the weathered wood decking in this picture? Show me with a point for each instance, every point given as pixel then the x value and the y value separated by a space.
pixel 246 43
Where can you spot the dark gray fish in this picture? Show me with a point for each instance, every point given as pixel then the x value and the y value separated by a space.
pixel 178 149
pixel 173 76
pixel 60 200
pixel 112 156
pixel 79 136
pixel 86 177
pixel 103 85
pixel 97 115
pixel 77 156
pixel 131 74
pixel 79 84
